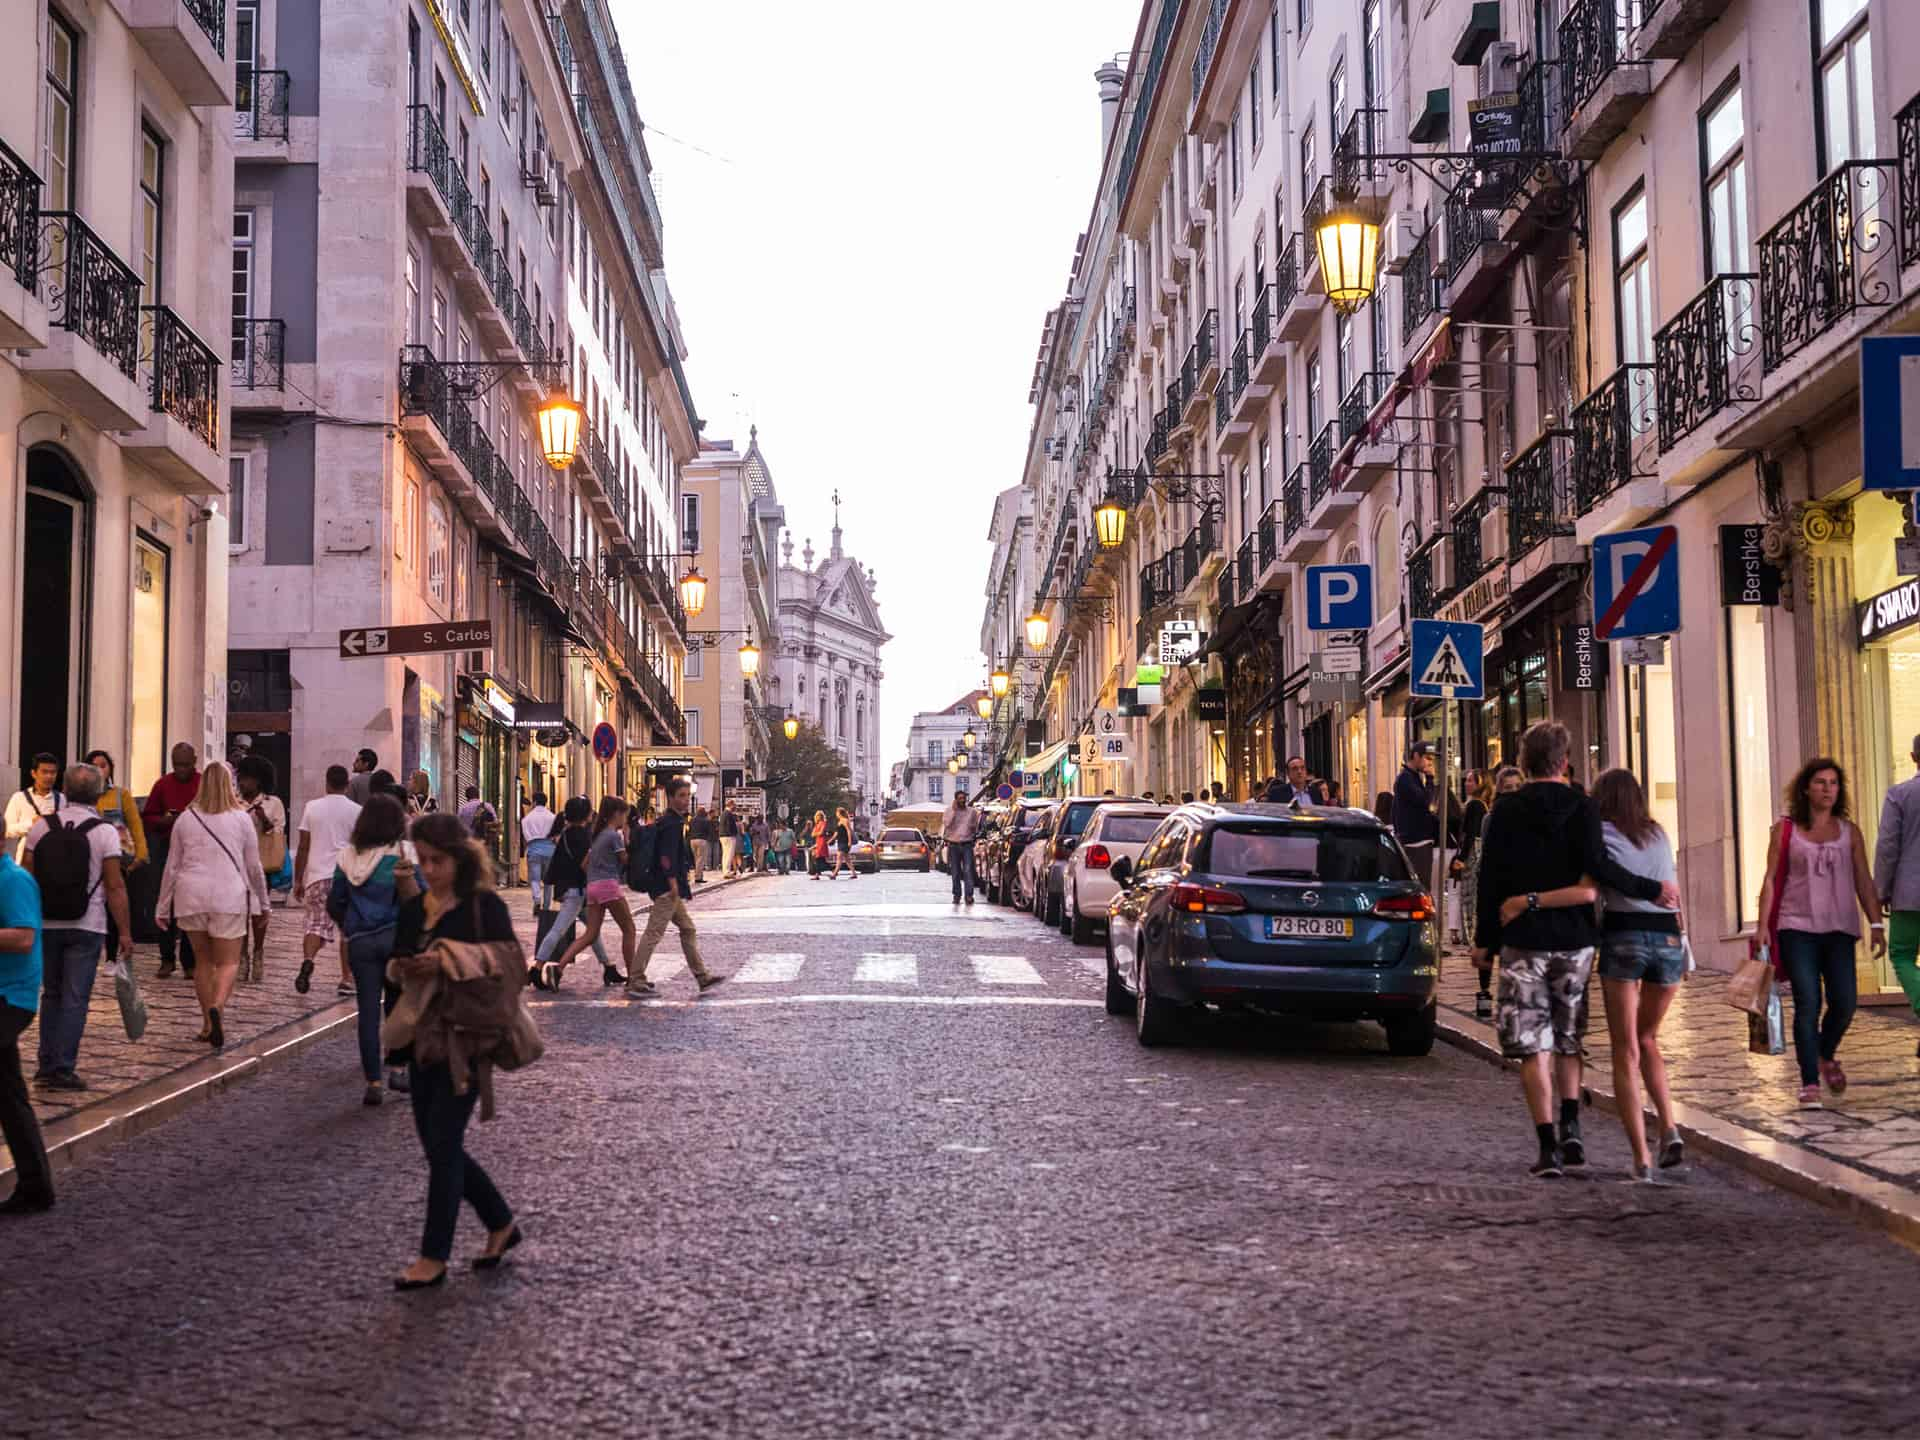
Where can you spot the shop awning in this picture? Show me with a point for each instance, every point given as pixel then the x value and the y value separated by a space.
pixel 1046 759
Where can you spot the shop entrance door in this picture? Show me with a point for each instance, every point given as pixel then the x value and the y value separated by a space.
pixel 53 608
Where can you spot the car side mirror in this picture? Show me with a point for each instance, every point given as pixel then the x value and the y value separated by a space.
pixel 1121 870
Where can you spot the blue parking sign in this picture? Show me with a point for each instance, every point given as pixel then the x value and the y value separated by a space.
pixel 1339 597
pixel 1447 660
pixel 1636 583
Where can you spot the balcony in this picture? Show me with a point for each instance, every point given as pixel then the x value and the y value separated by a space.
pixel 1319 201
pixel 181 438
pixel 1426 590
pixel 659 595
pixel 1354 168
pixel 1835 253
pixel 605 490
pixel 1604 85
pixel 258 363
pixel 1307 527
pixel 1540 497
pixel 1267 362
pixel 1668 28
pixel 188 42
pixel 1157 583
pixel 92 357
pixel 1615 452
pixel 1475 254
pixel 260 114
pixel 1169 431
pixel 1369 453
pixel 1704 357
pixel 1907 128
pixel 1267 572
pixel 1320 465
pixel 1196 560
pixel 23 314
pixel 1467 541
pixel 435 418
pixel 1201 370
pixel 1539 188
pixel 1419 289
pixel 1296 306
pixel 1243 401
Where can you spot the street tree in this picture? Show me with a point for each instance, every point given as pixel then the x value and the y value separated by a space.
pixel 820 777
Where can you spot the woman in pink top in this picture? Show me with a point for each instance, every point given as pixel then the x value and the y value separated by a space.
pixel 1828 883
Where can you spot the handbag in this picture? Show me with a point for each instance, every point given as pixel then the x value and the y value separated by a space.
pixel 126 990
pixel 1765 939
pixel 1767 1031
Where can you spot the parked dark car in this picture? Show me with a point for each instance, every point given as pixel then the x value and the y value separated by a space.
pixel 1070 821
pixel 997 857
pixel 1311 912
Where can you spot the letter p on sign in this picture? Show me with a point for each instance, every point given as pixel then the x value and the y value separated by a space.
pixel 1339 597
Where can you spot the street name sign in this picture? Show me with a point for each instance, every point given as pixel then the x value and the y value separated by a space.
pixel 1447 659
pixel 383 640
pixel 1890 413
pixel 1339 597
pixel 1636 583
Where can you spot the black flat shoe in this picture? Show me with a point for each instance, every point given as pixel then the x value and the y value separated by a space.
pixel 401 1282
pixel 24 1202
pixel 611 976
pixel 216 1037
pixel 304 980
pixel 492 1261
pixel 535 978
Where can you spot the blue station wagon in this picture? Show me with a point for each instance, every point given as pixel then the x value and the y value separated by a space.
pixel 1308 911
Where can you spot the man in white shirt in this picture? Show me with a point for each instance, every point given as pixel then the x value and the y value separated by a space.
pixel 75 932
pixel 325 826
pixel 535 826
pixel 39 799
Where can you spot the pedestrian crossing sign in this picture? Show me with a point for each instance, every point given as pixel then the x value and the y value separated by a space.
pixel 1446 663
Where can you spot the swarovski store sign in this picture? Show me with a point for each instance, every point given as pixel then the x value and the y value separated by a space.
pixel 1890 611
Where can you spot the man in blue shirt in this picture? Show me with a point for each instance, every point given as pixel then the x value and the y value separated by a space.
pixel 19 995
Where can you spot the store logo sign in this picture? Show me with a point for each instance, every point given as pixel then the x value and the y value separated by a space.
pixel 1890 610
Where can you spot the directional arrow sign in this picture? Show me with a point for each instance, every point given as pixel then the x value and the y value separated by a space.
pixel 1446 660
pixel 385 640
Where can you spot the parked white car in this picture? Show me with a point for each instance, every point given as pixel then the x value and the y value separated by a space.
pixel 1113 831
pixel 1030 870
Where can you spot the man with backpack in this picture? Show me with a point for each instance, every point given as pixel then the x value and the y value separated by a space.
pixel 75 856
pixel 668 880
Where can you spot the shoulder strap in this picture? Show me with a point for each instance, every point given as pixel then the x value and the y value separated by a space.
pixel 237 869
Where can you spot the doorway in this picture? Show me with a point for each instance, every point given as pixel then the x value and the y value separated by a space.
pixel 54 543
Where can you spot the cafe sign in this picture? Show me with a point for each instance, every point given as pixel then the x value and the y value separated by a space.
pixel 1475 600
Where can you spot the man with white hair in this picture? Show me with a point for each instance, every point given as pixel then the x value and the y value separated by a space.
pixel 74 854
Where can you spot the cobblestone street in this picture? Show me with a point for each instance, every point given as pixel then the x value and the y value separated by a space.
pixel 903 1177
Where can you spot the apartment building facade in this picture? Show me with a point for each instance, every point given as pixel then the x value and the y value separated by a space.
pixel 116 171
pixel 934 740
pixel 442 228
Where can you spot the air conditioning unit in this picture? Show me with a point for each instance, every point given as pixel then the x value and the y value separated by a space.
pixel 1493 528
pixel 1499 69
pixel 1398 236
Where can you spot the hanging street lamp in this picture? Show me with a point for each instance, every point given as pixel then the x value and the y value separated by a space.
pixel 999 682
pixel 749 659
pixel 1039 628
pixel 1110 522
pixel 985 706
pixel 693 591
pixel 560 419
pixel 791 725
pixel 970 739
pixel 1349 244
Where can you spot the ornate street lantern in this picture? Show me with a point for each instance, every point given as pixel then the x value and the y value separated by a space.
pixel 560 420
pixel 693 591
pixel 1349 245
pixel 749 659
pixel 1038 629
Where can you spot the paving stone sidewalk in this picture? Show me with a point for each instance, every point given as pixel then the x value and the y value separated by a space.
pixel 1874 1127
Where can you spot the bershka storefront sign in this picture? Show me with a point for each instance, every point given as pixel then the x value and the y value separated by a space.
pixel 1579 658
pixel 1746 576
pixel 1890 611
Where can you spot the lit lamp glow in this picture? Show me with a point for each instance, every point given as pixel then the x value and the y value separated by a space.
pixel 970 739
pixel 1110 523
pixel 560 421
pixel 1038 629
pixel 999 682
pixel 693 591
pixel 749 659
pixel 1349 245
pixel 953 767
pixel 984 705
pixel 791 725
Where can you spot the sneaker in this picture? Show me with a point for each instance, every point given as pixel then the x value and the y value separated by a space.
pixel 1573 1150
pixel 1673 1151
pixel 397 1081
pixel 645 987
pixel 1835 1077
pixel 346 990
pixel 1810 1097
pixel 707 982
pixel 64 1080
pixel 1483 1005
pixel 376 1093
pixel 1646 1175
pixel 165 971
pixel 1547 1167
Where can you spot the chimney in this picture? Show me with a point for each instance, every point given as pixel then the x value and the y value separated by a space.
pixel 1112 80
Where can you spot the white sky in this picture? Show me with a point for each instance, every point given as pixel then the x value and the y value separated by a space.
pixel 870 206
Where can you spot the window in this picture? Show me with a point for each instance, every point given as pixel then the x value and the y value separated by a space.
pixel 1307 161
pixel 1373 87
pixel 936 788
pixel 1266 472
pixel 460 577
pixel 1246 499
pixel 690 522
pixel 1377 319
pixel 486 39
pixel 1303 15
pixel 1723 160
pixel 404 538
pixel 413 298
pixel 237 502
pixel 1239 304
pixel 439 548
pixel 246 59
pixel 696 668
pixel 440 100
pixel 1650 741
pixel 153 164
pixel 60 149
pixel 936 752
pixel 439 335
pixel 1273 50
pixel 1632 280
pixel 1343 355
pixel 1556 354
pixel 1233 154
pixel 1753 792
pixel 1337 98
pixel 692 717
pixel 1313 395
pixel 1253 107
pixel 1846 82
pixel 242 288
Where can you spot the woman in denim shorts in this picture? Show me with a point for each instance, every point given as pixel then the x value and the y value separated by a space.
pixel 1643 959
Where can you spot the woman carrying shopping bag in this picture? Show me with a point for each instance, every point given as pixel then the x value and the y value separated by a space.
pixel 1818 882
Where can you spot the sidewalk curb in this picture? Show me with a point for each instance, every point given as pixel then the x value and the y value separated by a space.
pixel 1876 1203
pixel 95 1128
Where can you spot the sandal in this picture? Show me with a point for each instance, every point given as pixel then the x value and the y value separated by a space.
pixel 1835 1077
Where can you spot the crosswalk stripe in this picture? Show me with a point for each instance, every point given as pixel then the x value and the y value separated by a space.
pixel 887 970
pixel 775 969
pixel 1004 970
pixel 665 967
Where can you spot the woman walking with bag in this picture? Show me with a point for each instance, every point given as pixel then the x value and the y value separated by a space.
pixel 372 879
pixel 457 906
pixel 255 777
pixel 567 877
pixel 1818 881
pixel 1643 959
pixel 605 893
pixel 212 888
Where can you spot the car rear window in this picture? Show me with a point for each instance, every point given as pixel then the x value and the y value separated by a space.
pixel 1330 855
pixel 1076 819
pixel 899 835
pixel 1130 829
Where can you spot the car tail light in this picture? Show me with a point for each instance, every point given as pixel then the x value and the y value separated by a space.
pixel 923 849
pixel 1405 907
pixel 1098 858
pixel 1205 900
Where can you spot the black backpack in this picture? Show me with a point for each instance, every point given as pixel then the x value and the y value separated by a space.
pixel 61 862
pixel 643 850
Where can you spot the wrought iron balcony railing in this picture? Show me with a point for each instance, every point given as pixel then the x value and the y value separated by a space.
pixel 1540 493
pixel 1286 278
pixel 260 104
pixel 19 220
pixel 1906 127
pixel 1260 328
pixel 1358 402
pixel 183 374
pixel 1192 552
pixel 1419 286
pixel 1159 582
pixel 259 355
pixel 1223 398
pixel 1267 536
pixel 1209 42
pixel 1835 252
pixel 1319 201
pixel 1320 461
pixel 429 153
pixel 1612 433
pixel 1703 357
pixel 1543 107
pixel 1293 501
pixel 429 387
pixel 211 17
pixel 1593 44
pixel 90 290
pixel 1223 587
pixel 1468 228
pixel 1467 542
pixel 1423 596
pixel 1200 355
pixel 1246 565
pixel 1355 146
pixel 1240 370
pixel 591 452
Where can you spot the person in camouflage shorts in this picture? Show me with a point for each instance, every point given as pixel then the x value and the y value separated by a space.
pixel 1543 1001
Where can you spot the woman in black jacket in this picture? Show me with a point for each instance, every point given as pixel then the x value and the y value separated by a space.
pixel 567 878
pixel 458 903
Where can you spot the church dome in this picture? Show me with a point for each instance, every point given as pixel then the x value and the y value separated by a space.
pixel 759 476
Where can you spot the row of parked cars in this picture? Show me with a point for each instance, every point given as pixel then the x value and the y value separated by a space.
pixel 1309 911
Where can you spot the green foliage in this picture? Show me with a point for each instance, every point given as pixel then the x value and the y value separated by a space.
pixel 820 776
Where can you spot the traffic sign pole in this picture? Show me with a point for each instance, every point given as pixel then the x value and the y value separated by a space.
pixel 1439 892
